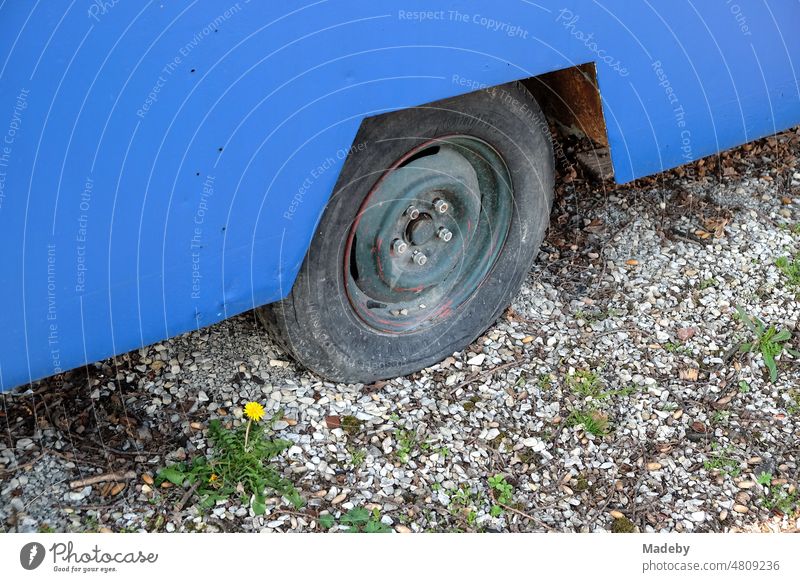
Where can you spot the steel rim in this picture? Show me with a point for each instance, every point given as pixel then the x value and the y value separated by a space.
pixel 428 234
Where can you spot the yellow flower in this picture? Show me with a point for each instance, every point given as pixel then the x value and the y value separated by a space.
pixel 254 411
pixel 213 477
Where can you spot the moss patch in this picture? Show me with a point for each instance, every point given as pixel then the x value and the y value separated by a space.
pixel 622 525
pixel 469 405
pixel 351 425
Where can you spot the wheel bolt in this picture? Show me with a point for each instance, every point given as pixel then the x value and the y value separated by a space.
pixel 412 212
pixel 445 234
pixel 399 246
pixel 440 205
pixel 420 258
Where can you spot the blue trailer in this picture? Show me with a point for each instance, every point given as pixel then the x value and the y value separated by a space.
pixel 377 174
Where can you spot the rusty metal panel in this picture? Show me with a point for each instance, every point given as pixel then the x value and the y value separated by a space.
pixel 571 98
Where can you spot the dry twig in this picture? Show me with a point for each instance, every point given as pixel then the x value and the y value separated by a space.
pixel 81 483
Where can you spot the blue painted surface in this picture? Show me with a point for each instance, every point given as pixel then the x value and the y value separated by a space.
pixel 122 222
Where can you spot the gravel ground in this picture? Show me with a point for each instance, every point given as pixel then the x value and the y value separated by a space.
pixel 611 395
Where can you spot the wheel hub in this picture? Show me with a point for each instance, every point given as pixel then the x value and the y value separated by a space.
pixel 421 230
pixel 428 234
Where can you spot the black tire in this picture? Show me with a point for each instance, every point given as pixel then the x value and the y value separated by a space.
pixel 317 323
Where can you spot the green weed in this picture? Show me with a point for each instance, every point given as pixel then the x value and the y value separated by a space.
pixel 357 520
pixel 357 456
pixel 675 348
pixel 503 494
pixel 406 443
pixel 767 341
pixel 592 420
pixel 235 467
pixel 595 316
pixel 782 501
pixel 461 496
pixel 720 417
pixel 585 383
pixel 790 267
pixel 793 406
pixel 722 461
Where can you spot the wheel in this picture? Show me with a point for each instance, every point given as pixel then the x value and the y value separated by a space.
pixel 434 223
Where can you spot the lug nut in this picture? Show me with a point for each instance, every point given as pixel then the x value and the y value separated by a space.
pixel 399 246
pixel 444 234
pixel 440 205
pixel 420 258
pixel 412 212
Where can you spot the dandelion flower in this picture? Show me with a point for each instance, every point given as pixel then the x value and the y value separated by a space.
pixel 213 477
pixel 254 411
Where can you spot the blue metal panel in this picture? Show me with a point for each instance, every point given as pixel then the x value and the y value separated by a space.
pixel 163 164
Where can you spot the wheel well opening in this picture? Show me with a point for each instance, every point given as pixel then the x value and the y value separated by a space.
pixel 571 98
